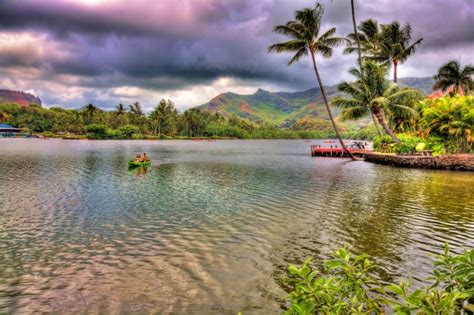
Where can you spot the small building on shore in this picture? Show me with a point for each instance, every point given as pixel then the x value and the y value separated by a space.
pixel 7 131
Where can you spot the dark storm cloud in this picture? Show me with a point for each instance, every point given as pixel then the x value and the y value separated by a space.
pixel 179 44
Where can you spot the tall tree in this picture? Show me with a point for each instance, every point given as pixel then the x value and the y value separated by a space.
pixel 370 38
pixel 119 117
pixel 136 109
pixel 372 94
pixel 164 117
pixel 397 46
pixel 305 39
pixel 451 74
pixel 91 111
pixel 357 39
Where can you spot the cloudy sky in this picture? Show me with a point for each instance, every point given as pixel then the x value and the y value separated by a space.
pixel 72 52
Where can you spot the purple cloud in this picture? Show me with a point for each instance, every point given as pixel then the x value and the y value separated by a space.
pixel 73 52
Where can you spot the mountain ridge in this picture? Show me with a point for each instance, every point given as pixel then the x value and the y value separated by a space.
pixel 18 97
pixel 288 109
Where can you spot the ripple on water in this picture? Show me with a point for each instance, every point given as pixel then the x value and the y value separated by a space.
pixel 211 228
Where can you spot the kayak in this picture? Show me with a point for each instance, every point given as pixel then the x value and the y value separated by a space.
pixel 138 164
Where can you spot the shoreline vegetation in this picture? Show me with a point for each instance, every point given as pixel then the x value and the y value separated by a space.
pixel 164 122
pixel 348 284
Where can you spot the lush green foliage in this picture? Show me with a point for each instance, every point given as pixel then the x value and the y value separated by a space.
pixel 373 94
pixel 347 287
pixel 450 119
pixel 347 284
pixel 164 122
pixel 443 124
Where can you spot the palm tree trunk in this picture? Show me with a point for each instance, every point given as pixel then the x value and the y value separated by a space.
pixel 375 124
pixel 344 149
pixel 382 122
pixel 354 24
pixel 395 65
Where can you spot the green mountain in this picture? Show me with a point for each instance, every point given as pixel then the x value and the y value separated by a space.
pixel 298 110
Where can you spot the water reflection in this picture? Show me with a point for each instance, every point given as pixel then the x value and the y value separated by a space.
pixel 209 227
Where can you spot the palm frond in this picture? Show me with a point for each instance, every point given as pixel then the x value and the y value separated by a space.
pixel 300 53
pixel 288 46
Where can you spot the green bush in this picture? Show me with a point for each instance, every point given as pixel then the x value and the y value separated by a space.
pixel 383 144
pixel 407 144
pixel 96 131
pixel 138 136
pixel 128 131
pixel 347 285
pixel 452 119
pixel 114 134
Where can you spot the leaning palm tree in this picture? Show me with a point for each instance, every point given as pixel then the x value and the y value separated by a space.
pixel 396 44
pixel 305 39
pixel 372 94
pixel 451 74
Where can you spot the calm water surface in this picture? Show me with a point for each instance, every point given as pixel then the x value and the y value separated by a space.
pixel 210 227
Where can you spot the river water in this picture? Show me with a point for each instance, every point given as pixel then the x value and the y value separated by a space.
pixel 210 227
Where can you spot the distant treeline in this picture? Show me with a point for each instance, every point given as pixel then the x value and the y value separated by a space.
pixel 164 122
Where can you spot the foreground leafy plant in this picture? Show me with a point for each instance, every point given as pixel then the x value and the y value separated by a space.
pixel 349 286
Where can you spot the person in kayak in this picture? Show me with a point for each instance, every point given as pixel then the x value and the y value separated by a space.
pixel 141 158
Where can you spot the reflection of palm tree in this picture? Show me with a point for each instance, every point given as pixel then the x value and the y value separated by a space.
pixel 396 44
pixel 451 74
pixel 303 33
pixel 372 94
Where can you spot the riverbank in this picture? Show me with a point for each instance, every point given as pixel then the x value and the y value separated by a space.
pixel 460 162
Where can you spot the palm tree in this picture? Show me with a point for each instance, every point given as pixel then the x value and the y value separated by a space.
pixel 120 110
pixel 91 110
pixel 396 44
pixel 357 39
pixel 304 38
pixel 372 94
pixel 368 40
pixel 371 36
pixel 451 74
pixel 136 109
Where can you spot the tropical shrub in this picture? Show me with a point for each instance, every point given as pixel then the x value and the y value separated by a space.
pixel 408 144
pixel 384 144
pixel 452 119
pixel 128 131
pixel 96 131
pixel 347 284
pixel 113 134
pixel 346 289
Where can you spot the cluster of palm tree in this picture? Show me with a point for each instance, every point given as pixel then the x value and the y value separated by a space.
pixel 386 43
pixel 378 47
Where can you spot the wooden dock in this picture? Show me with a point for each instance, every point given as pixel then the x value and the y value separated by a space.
pixel 336 151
